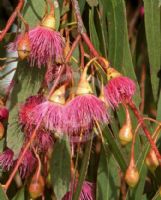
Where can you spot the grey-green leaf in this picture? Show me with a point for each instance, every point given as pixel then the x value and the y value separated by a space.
pixel 3 196
pixel 153 36
pixel 27 81
pixel 60 168
pixel 20 195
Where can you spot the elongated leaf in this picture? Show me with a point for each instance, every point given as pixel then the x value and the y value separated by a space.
pixel 153 36
pixel 92 29
pixel 60 168
pixel 27 81
pixel 118 47
pixel 83 171
pixel 159 108
pixel 107 177
pixel 20 195
pixel 35 10
pixel 3 196
pixel 116 151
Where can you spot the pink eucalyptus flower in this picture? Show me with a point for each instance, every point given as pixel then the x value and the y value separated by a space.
pixel 82 112
pixel 6 159
pixel 3 113
pixel 44 140
pixel 28 164
pixel 26 108
pixel 87 193
pixel 49 113
pixel 119 90
pixel 46 45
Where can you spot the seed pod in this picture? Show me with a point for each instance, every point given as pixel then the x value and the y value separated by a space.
pixel 1 130
pixel 24 47
pixel 49 22
pixel 151 161
pixel 125 133
pixel 132 175
pixel 36 187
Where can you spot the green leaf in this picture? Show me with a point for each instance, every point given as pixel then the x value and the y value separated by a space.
pixel 115 149
pixel 159 108
pixel 107 177
pixel 92 30
pixel 92 2
pixel 27 81
pixel 60 167
pixel 35 10
pixel 153 36
pixel 81 5
pixel 20 195
pixel 84 167
pixel 118 47
pixel 3 196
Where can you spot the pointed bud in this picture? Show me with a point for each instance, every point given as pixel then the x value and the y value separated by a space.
pixel 112 73
pixel 83 85
pixel 49 22
pixel 132 175
pixel 1 130
pixel 24 47
pixel 59 95
pixel 36 187
pixel 125 133
pixel 152 161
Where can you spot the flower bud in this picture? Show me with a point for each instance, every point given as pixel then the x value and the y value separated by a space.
pixel 151 161
pixel 132 175
pixel 1 130
pixel 49 22
pixel 125 133
pixel 23 47
pixel 36 187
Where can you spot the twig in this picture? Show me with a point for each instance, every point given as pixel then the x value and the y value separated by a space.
pixel 11 19
pixel 146 131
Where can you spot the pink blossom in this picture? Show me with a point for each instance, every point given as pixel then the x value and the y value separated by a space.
pixel 26 108
pixel 44 140
pixel 3 112
pixel 87 193
pixel 46 45
pixel 82 112
pixel 28 164
pixel 6 159
pixel 49 113
pixel 119 90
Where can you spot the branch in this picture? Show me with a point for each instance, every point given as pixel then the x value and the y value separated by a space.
pixel 11 19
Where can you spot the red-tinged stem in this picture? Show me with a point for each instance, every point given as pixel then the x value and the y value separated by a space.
pixel 20 159
pixel 11 19
pixel 27 145
pixel 148 135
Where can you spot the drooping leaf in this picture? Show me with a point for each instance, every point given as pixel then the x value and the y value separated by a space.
pixel 118 47
pixel 20 195
pixel 27 81
pixel 153 36
pixel 108 180
pixel 92 29
pixel 60 167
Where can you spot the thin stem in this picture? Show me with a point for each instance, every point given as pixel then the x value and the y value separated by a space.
pixel 51 7
pixel 24 21
pixel 11 19
pixel 81 28
pixel 146 131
